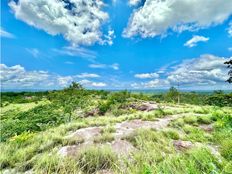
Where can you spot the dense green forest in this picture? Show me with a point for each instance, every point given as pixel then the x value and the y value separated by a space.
pixel 36 124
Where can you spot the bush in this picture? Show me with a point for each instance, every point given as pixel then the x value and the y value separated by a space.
pixel 103 107
pixel 190 119
pixel 204 119
pixel 172 134
pixel 226 149
pixel 22 137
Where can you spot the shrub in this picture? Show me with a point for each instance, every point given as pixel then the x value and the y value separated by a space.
pixel 103 107
pixel 204 119
pixel 190 119
pixel 22 137
pixel 172 134
pixel 226 148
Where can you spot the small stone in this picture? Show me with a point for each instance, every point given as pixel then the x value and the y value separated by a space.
pixel 181 145
pixel 207 127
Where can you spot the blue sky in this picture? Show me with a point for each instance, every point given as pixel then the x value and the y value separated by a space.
pixel 115 44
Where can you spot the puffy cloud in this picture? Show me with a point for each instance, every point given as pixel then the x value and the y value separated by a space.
pixel 16 77
pixel 6 34
pixel 205 70
pixel 114 66
pixel 147 75
pixel 156 83
pixel 92 84
pixel 79 21
pixel 195 39
pixel 156 17
pixel 134 2
pixel 87 75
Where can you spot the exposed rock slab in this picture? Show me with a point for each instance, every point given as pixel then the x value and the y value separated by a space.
pixel 122 147
pixel 87 134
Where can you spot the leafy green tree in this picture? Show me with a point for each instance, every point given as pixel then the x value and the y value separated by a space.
pixel 229 65
pixel 75 85
pixel 172 94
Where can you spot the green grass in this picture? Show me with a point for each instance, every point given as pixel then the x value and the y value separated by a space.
pixel 94 159
pixel 155 153
pixel 105 137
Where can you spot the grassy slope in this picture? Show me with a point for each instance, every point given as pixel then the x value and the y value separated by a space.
pixel 155 154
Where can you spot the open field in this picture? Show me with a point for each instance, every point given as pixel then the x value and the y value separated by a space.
pixel 80 131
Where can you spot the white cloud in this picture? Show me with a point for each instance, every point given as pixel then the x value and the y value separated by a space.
pixel 230 29
pixel 97 66
pixel 79 21
pixel 33 51
pixel 156 83
pixel 16 77
pixel 87 75
pixel 195 39
pixel 109 38
pixel 207 69
pixel 156 17
pixel 147 75
pixel 6 34
pixel 114 66
pixel 76 51
pixel 205 72
pixel 134 2
pixel 92 84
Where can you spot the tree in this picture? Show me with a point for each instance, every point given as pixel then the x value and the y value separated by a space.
pixel 75 85
pixel 229 65
pixel 173 94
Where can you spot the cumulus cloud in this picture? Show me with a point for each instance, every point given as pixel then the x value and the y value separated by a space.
pixel 79 21
pixel 17 77
pixel 92 84
pixel 147 75
pixel 156 83
pixel 134 2
pixel 156 17
pixel 207 69
pixel 195 39
pixel 114 66
pixel 6 34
